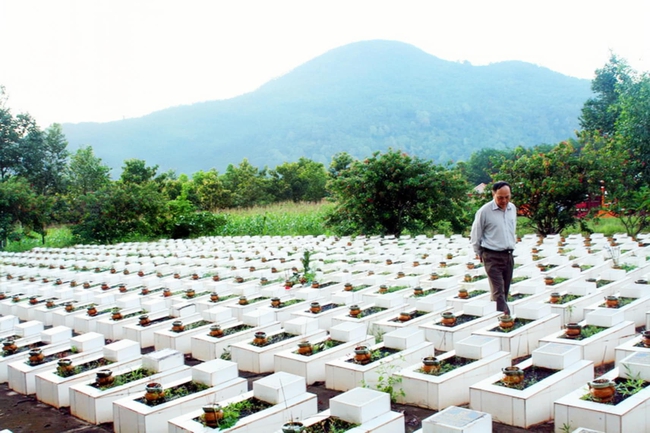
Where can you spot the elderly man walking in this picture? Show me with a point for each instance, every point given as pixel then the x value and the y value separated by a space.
pixel 493 238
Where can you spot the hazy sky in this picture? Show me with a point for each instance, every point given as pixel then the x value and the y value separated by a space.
pixel 87 60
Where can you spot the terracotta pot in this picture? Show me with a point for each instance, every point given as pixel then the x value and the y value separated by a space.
pixel 243 300
pixel 190 293
pixel 404 316
pixel 154 392
pixel 36 356
pixel 389 262
pixel 448 318
pixel 572 330
pixel 260 339
pixel 212 414
pixel 383 289
pixel 9 345
pixel 216 331
pixel 362 355
pixel 177 326
pixel 33 300
pixel 92 311
pixel 645 338
pixel 348 287
pixel 275 302
pixel 104 377
pixel 144 320
pixel 443 264
pixel 470 265
pixel 418 291
pixel 315 308
pixel 602 390
pixel 430 364
pixel 214 297
pixel 555 298
pixel 315 284
pixel 215 278
pixel 467 278
pixel 293 427
pixel 463 294
pixel 65 367
pixel 105 286
pixel 144 291
pixel 549 281
pixel 167 292
pixel 401 274
pixel 69 307
pixel 304 348
pixel 611 301
pixel 506 321
pixel 116 315
pixel 512 375
pixel 355 310
pixel 122 288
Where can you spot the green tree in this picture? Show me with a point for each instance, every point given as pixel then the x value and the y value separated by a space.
pixel 13 131
pixel 601 112
pixel 340 162
pixel 547 186
pixel 86 173
pixel 121 212
pixel 44 159
pixel 393 192
pixel 20 205
pixel 136 171
pixel 633 126
pixel 299 181
pixel 210 192
pixel 247 185
pixel 481 165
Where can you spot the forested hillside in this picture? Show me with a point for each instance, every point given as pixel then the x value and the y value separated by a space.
pixel 359 98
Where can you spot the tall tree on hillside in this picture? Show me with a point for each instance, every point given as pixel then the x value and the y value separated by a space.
pixel 210 192
pixel 44 159
pixel 86 173
pixel 13 130
pixel 299 181
pixel 20 205
pixel 481 165
pixel 247 184
pixel 601 112
pixel 136 171
pixel 633 126
pixel 393 192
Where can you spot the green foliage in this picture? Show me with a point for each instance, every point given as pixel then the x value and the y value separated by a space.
pixel 387 382
pixel 136 171
pixel 86 173
pixel 120 212
pixel 601 112
pixel 392 193
pixel 547 186
pixel 298 181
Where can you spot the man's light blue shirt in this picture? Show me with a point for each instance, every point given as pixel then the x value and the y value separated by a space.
pixel 494 228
